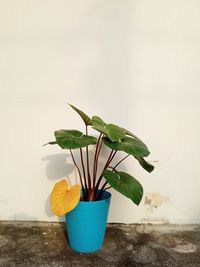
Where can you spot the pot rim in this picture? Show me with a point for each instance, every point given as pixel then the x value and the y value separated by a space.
pixel 106 195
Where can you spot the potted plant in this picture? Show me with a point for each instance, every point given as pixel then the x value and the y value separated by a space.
pixel 86 206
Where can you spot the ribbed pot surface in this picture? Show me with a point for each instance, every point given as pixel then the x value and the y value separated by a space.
pixel 86 224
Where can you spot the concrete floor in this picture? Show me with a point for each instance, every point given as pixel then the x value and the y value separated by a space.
pixel 27 244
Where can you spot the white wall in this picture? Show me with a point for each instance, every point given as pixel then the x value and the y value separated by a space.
pixel 135 63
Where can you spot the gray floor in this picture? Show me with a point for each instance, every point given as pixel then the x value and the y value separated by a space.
pixel 44 244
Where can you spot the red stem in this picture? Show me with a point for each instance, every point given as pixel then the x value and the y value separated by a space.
pixel 83 167
pixel 103 186
pixel 113 169
pixel 103 189
pixel 88 163
pixel 97 158
pixel 96 155
pixel 120 161
pixel 78 171
pixel 107 188
pixel 110 158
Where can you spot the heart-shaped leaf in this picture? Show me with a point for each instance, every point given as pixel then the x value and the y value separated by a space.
pixel 129 145
pixel 125 184
pixel 84 117
pixel 111 131
pixel 63 198
pixel 72 139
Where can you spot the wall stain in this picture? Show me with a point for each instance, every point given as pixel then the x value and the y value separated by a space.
pixel 154 200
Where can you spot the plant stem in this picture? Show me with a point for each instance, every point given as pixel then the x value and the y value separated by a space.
pixel 113 169
pixel 103 186
pixel 96 155
pixel 88 162
pixel 103 189
pixel 95 188
pixel 107 188
pixel 120 162
pixel 79 172
pixel 98 158
pixel 83 167
pixel 110 158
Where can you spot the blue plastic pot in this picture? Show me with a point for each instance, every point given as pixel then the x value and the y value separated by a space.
pixel 86 224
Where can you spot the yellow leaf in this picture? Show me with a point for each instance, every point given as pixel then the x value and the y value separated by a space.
pixel 63 198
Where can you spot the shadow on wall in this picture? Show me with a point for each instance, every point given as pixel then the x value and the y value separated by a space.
pixel 60 166
pixel 48 211
pixel 57 168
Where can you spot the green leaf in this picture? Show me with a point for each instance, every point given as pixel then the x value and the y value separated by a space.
pixel 72 139
pixel 50 143
pixel 115 133
pixel 72 133
pixel 132 135
pixel 98 124
pixel 125 184
pixel 111 131
pixel 129 145
pixel 146 165
pixel 84 117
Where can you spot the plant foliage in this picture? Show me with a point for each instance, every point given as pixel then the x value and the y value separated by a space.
pixel 116 139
